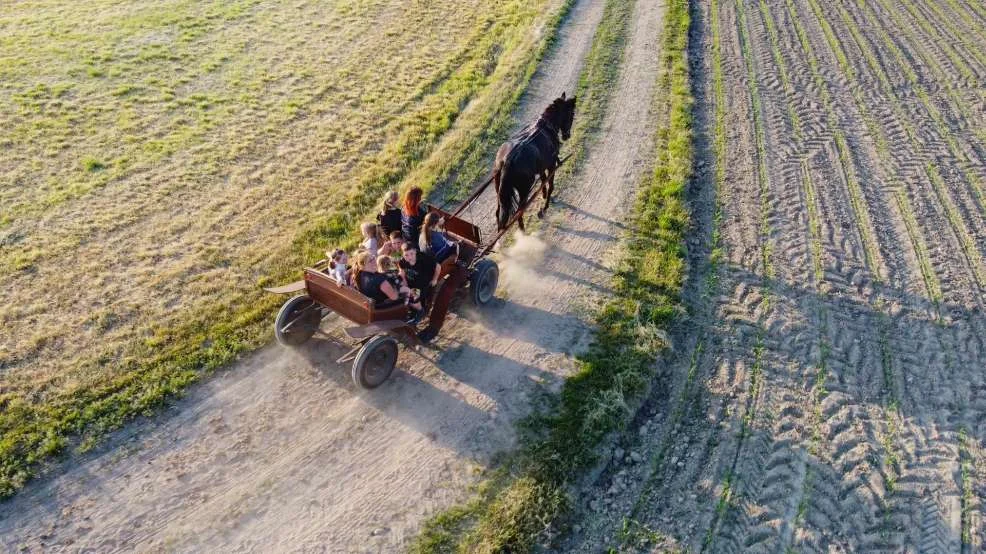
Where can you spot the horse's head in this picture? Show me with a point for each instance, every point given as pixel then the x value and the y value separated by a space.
pixel 561 113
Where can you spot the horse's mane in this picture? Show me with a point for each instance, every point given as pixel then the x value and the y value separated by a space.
pixel 547 115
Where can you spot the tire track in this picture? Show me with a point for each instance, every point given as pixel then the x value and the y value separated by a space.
pixel 971 167
pixel 892 119
pixel 736 482
pixel 817 389
pixel 951 37
pixel 971 207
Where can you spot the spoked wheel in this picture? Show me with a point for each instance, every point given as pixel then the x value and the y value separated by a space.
pixel 297 321
pixel 483 282
pixel 375 362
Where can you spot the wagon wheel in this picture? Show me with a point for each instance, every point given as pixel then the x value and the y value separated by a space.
pixel 297 320
pixel 483 281
pixel 375 362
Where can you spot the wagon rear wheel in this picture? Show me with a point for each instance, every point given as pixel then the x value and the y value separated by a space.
pixel 483 282
pixel 297 320
pixel 375 362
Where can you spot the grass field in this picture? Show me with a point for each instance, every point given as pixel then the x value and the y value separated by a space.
pixel 164 160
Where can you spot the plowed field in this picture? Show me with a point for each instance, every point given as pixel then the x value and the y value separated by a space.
pixel 828 393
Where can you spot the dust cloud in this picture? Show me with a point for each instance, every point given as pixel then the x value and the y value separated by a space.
pixel 520 272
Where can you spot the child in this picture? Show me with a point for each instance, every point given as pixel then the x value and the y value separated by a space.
pixel 370 240
pixel 392 247
pixel 386 265
pixel 389 218
pixel 433 241
pixel 337 266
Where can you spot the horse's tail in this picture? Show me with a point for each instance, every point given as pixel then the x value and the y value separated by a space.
pixel 505 195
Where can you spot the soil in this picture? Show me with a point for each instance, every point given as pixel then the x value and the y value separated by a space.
pixel 823 396
pixel 282 451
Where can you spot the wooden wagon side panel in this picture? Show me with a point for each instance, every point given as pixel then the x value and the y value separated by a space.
pixel 349 302
pixel 393 313
pixel 346 301
pixel 458 226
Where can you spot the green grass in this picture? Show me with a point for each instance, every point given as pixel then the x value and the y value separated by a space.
pixel 616 371
pixel 722 507
pixel 110 373
pixel 759 135
pixel 968 242
pixel 719 141
pixel 814 223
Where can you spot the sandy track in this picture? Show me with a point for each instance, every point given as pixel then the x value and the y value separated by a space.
pixel 282 453
pixel 837 397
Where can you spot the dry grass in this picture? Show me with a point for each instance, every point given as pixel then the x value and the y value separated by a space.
pixel 162 159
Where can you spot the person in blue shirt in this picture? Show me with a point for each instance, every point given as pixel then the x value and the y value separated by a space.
pixel 433 240
pixel 412 215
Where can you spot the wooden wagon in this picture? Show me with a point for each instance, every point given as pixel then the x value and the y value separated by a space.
pixel 378 329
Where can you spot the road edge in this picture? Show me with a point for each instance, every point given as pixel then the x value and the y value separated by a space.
pixel 523 500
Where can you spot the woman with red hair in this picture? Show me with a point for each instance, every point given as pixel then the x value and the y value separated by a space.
pixel 412 215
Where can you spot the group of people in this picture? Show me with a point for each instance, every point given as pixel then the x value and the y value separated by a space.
pixel 400 257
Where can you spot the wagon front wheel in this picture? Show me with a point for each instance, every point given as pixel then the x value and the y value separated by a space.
pixel 483 282
pixel 375 362
pixel 297 321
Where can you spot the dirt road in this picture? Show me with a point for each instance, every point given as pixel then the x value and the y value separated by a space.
pixel 281 452
pixel 828 393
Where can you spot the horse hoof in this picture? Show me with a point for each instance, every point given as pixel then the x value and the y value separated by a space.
pixel 541 214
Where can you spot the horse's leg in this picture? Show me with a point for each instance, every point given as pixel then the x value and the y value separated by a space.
pixel 520 220
pixel 549 187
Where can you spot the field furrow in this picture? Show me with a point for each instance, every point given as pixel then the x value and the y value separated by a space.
pixel 906 143
pixel 811 216
pixel 839 366
pixel 940 138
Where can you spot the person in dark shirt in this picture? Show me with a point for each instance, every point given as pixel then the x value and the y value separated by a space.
pixel 412 215
pixel 389 217
pixel 372 284
pixel 385 289
pixel 419 270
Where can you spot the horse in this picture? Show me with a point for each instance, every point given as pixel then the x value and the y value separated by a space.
pixel 530 154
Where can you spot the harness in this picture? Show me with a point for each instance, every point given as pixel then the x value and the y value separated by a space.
pixel 541 125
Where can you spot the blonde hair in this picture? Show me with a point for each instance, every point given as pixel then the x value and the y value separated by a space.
pixel 361 261
pixel 386 203
pixel 369 230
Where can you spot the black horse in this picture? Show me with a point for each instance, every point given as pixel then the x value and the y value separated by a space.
pixel 530 154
